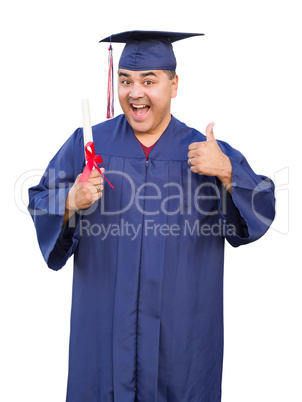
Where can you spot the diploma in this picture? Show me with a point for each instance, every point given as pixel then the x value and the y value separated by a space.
pixel 86 122
pixel 92 160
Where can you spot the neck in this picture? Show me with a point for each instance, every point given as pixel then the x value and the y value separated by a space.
pixel 147 138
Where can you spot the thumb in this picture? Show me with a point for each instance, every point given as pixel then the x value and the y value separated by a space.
pixel 209 132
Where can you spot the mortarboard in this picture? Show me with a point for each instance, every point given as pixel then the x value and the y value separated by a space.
pixel 148 50
pixel 144 50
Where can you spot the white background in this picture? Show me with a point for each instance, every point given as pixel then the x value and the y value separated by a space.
pixel 244 74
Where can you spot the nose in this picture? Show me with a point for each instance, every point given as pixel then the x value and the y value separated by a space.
pixel 136 91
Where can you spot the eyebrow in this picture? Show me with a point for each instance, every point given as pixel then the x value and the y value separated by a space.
pixel 148 73
pixel 122 74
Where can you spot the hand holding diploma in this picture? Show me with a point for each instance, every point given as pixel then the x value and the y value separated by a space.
pixel 88 186
pixel 80 197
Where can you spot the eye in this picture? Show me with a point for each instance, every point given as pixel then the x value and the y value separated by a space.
pixel 126 82
pixel 148 82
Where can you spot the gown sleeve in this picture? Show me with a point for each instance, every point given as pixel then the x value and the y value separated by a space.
pixel 47 203
pixel 250 210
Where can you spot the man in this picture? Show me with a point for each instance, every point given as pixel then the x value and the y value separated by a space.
pixel 147 311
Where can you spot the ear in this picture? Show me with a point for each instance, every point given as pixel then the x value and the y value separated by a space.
pixel 174 86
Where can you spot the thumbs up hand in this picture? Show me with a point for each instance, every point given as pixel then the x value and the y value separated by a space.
pixel 206 158
pixel 209 132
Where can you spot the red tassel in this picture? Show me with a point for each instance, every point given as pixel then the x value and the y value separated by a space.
pixel 110 90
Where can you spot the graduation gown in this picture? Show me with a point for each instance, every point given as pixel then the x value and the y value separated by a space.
pixel 147 304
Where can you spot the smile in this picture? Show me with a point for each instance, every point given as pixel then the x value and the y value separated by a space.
pixel 139 111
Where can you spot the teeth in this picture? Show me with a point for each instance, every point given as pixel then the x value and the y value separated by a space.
pixel 139 106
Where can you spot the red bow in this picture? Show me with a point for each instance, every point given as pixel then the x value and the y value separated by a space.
pixel 92 160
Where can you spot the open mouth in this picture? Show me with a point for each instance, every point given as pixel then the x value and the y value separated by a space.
pixel 139 111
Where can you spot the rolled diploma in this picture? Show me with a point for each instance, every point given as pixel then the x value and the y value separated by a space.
pixel 86 122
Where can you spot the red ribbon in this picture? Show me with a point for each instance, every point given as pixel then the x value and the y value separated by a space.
pixel 92 160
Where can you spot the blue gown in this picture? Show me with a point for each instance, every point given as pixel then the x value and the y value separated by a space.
pixel 147 304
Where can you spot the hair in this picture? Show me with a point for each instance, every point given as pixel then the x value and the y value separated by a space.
pixel 170 73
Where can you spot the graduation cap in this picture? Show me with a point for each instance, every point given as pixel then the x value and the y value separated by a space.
pixel 144 50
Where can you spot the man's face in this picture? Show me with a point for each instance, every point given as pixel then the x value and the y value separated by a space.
pixel 145 97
